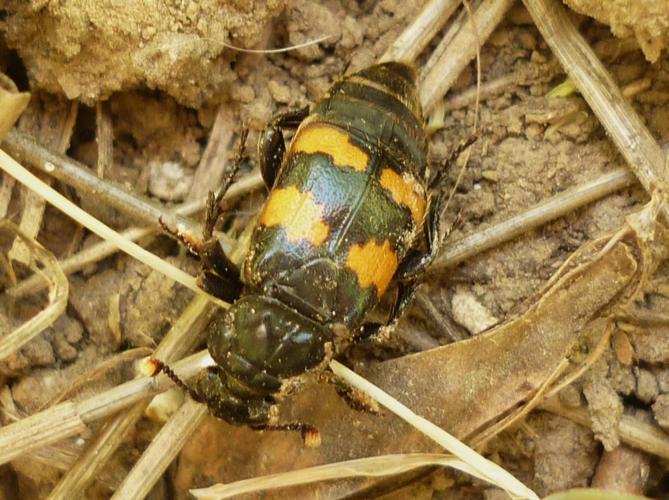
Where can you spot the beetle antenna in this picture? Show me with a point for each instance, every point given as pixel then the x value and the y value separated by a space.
pixel 162 367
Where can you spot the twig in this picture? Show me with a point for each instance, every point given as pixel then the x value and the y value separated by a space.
pixel 448 65
pixel 185 334
pixel 70 418
pixel 77 175
pixel 632 431
pixel 418 34
pixel 623 124
pixel 162 450
pixel 103 249
pixel 545 211
pixel 59 201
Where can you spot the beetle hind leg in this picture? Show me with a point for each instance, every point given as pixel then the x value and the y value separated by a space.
pixel 311 436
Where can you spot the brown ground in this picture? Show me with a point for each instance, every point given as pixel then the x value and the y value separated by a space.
pixel 164 72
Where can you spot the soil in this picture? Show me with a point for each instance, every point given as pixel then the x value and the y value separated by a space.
pixel 163 69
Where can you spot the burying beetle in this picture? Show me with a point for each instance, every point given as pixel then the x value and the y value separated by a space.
pixel 350 209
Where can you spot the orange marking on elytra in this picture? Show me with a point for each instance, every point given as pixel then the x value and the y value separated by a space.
pixel 405 192
pixel 373 263
pixel 322 138
pixel 297 213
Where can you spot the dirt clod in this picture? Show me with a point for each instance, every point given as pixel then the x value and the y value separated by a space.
pixel 565 456
pixel 605 408
pixel 661 410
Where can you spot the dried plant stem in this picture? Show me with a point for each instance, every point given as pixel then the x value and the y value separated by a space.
pixel 623 124
pixel 162 451
pixel 545 211
pixel 447 65
pixel 212 165
pixel 56 136
pixel 58 293
pixel 185 334
pixel 104 136
pixel 70 418
pixel 384 465
pixel 12 104
pixel 103 249
pixel 80 177
pixel 488 89
pixel 418 34
pixel 486 469
pixel 66 206
pixel 632 431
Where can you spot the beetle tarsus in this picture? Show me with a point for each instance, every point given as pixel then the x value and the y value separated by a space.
pixel 310 434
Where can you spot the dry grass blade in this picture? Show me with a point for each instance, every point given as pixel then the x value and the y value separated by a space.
pixel 593 494
pixel 642 435
pixel 184 335
pixel 446 66
pixel 12 104
pixel 623 124
pixel 77 175
pixel 384 465
pixel 212 164
pixel 58 293
pixel 162 451
pixel 485 469
pixel 174 434
pixel 418 34
pixel 103 249
pixel 545 211
pixel 57 136
pixel 70 418
pixel 104 136
pixel 66 206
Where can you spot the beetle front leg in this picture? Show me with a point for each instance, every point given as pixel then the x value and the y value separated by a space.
pixel 271 145
pixel 219 276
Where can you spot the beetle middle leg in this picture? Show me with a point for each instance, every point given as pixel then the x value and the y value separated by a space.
pixel 416 262
pixel 271 144
pixel 412 269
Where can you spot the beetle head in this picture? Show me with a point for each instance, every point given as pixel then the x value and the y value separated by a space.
pixel 259 342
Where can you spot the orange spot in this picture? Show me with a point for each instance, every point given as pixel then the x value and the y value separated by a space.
pixel 405 192
pixel 321 138
pixel 297 214
pixel 374 264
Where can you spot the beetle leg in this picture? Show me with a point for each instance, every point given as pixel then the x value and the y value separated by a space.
pixel 405 293
pixel 416 262
pixel 355 399
pixel 214 200
pixel 310 434
pixel 219 276
pixel 271 145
